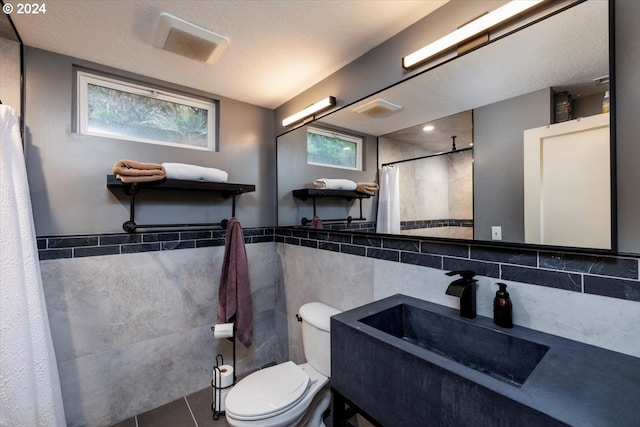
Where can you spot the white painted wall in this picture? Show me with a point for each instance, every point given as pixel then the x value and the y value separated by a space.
pixel 10 73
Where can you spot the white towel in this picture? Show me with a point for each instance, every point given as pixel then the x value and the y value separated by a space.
pixel 194 173
pixel 334 184
pixel 30 393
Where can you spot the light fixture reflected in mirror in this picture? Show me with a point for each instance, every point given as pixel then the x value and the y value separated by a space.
pixel 473 28
pixel 319 106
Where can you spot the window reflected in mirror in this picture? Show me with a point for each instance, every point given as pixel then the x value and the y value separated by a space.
pixel 333 149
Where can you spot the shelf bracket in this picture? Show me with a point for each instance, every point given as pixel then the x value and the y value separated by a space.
pixel 223 189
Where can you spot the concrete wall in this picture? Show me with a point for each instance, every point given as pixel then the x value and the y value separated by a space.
pixel 460 186
pixel 67 171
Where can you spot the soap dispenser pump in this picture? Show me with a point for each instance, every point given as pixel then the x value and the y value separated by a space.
pixel 502 307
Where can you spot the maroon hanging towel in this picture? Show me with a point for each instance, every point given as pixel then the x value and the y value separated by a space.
pixel 234 296
pixel 316 222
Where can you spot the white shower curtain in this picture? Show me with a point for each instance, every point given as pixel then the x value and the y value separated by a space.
pixel 389 201
pixel 29 384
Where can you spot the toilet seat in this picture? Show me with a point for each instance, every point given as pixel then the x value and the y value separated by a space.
pixel 268 392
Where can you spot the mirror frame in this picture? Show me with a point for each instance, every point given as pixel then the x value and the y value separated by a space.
pixel 507 244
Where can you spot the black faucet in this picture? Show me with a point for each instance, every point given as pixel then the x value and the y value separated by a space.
pixel 465 289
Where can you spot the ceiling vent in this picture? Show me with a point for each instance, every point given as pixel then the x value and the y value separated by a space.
pixel 377 109
pixel 184 38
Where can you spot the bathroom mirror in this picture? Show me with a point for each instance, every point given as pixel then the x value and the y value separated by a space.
pixel 509 86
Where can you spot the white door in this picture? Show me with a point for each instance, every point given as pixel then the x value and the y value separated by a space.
pixel 567 188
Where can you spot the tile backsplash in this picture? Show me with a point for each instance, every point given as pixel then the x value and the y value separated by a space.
pixel 59 247
pixel 604 275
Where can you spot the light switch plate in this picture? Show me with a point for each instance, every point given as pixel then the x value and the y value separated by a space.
pixel 496 232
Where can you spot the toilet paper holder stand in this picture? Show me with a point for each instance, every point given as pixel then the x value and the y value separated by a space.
pixel 216 404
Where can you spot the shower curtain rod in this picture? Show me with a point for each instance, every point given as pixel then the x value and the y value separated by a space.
pixel 444 153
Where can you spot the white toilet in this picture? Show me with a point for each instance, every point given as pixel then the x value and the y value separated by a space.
pixel 288 394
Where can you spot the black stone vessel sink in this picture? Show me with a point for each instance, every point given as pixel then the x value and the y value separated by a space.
pixel 405 362
pixel 505 357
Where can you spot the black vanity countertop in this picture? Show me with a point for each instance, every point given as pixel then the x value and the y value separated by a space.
pixel 575 383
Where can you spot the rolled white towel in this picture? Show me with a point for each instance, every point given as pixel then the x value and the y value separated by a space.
pixel 334 184
pixel 194 173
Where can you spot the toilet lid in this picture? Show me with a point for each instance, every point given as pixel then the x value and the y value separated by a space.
pixel 268 391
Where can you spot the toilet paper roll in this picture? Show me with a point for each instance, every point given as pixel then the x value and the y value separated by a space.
pixel 223 396
pixel 222 380
pixel 223 330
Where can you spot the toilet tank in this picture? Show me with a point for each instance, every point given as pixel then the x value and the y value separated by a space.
pixel 316 337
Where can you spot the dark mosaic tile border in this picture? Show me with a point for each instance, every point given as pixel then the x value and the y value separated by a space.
pixel 435 223
pixel 361 227
pixel 604 275
pixel 60 247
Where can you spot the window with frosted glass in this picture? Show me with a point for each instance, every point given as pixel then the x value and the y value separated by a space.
pixel 121 110
pixel 333 149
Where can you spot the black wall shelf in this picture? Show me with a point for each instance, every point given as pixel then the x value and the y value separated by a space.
pixel 306 193
pixel 315 193
pixel 226 190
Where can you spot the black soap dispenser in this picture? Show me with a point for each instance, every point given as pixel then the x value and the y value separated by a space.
pixel 502 308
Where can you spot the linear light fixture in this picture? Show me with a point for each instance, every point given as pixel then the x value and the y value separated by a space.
pixel 469 30
pixel 319 106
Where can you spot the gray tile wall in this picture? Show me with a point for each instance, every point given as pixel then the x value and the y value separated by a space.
pixel 132 332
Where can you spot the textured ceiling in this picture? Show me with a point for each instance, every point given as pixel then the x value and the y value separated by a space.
pixel 278 48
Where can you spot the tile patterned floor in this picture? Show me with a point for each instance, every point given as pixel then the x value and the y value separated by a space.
pixel 190 411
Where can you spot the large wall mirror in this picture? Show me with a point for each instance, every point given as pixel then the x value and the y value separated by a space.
pixel 509 142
